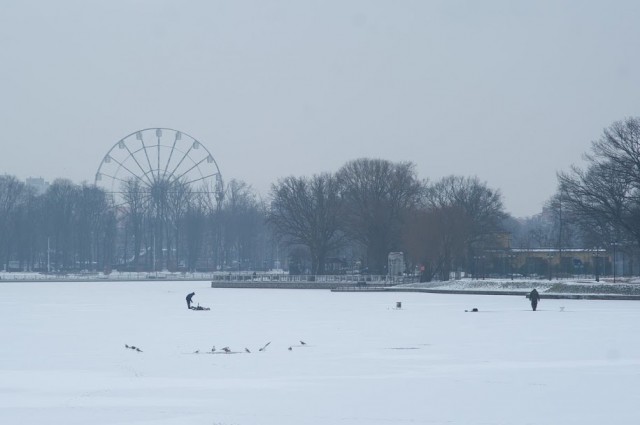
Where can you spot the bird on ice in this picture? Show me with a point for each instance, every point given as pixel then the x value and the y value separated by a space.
pixel 290 349
pixel 302 342
pixel 247 350
pixel 226 350
pixel 213 349
pixel 265 346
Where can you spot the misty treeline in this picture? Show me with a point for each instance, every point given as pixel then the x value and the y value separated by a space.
pixel 81 228
pixel 342 222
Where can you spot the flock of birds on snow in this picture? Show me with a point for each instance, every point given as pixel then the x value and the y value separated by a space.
pixel 225 350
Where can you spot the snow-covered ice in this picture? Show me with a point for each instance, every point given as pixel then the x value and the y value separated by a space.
pixel 63 358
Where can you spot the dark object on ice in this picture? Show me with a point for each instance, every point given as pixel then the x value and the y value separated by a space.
pixel 133 347
pixel 200 308
pixel 473 310
pixel 398 305
pixel 290 349
pixel 189 298
pixel 196 352
pixel 213 349
pixel 265 346
pixel 303 343
pixel 226 350
pixel 247 350
pixel 534 297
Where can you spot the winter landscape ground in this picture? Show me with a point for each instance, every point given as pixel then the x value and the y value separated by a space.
pixel 63 358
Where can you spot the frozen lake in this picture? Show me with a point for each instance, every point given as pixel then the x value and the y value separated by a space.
pixel 63 358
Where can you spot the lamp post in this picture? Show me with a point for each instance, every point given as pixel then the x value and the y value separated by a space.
pixel 478 266
pixel 549 256
pixel 595 261
pixel 48 257
pixel 511 257
pixel 154 252
pixel 615 244
pixel 475 267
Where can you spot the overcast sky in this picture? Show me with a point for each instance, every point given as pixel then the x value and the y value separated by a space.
pixel 510 92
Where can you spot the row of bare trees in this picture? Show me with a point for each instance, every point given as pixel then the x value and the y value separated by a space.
pixel 174 227
pixel 80 227
pixel 68 226
pixel 357 215
pixel 601 201
pixel 372 207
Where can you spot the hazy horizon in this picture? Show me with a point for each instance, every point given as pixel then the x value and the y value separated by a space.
pixel 509 92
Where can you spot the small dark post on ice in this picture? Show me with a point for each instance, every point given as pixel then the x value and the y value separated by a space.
pixel 189 297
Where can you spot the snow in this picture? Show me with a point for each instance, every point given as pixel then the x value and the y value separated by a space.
pixel 63 359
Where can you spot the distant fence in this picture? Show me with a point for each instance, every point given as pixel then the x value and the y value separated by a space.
pixel 241 277
pixel 378 280
pixel 86 277
pixel 286 281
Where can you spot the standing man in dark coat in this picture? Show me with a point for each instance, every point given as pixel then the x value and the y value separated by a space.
pixel 189 297
pixel 534 297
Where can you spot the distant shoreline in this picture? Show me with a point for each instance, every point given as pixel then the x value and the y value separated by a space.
pixel 587 289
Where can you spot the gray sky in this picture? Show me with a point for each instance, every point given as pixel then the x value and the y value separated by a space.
pixel 511 92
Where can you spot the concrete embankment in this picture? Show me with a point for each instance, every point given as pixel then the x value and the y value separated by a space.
pixel 572 296
pixel 579 293
pixel 275 285
pixel 341 287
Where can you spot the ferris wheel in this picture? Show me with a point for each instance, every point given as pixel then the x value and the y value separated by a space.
pixel 158 159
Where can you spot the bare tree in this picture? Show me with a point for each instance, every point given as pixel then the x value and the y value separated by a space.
pixel 305 211
pixel 480 206
pixel 195 220
pixel 604 198
pixel 90 212
pixel 376 195
pixel 29 229
pixel 619 149
pixel 435 239
pixel 178 203
pixel 136 205
pixel 12 195
pixel 601 197
pixel 60 203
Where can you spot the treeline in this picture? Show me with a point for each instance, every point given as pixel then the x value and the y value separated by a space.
pixel 371 207
pixel 601 202
pixel 347 221
pixel 74 227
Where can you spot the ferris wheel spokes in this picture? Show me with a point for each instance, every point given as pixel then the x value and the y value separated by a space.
pixel 185 155
pixel 194 166
pixel 166 166
pixel 146 153
pixel 179 163
pixel 201 178
pixel 122 145
pixel 127 169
